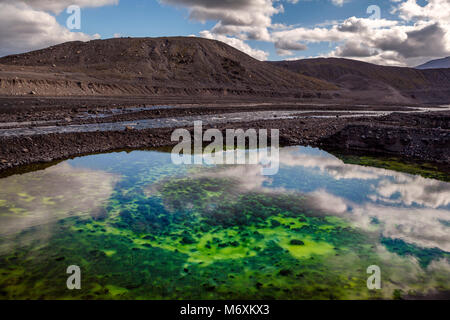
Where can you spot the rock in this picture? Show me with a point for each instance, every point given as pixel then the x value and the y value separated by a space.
pixel 129 128
pixel 187 239
pixel 234 244
pixel 275 223
pixel 296 242
pixel 285 272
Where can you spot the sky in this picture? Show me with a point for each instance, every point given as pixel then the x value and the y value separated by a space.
pixel 387 32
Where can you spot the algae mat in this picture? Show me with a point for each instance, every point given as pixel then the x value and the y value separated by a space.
pixel 140 227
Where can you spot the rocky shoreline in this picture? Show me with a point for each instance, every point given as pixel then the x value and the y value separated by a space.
pixel 414 136
pixel 424 137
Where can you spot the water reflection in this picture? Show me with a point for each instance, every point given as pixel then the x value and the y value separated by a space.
pixel 406 207
pixel 308 232
pixel 56 193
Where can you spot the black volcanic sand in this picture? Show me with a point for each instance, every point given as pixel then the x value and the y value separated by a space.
pixel 416 136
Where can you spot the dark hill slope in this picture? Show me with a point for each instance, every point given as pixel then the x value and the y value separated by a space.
pixel 364 79
pixel 180 65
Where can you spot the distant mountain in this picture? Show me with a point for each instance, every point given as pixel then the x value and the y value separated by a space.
pixel 188 66
pixel 436 64
pixel 381 83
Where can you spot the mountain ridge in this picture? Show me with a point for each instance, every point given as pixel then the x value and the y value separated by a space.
pixel 401 84
pixel 190 66
pixel 436 64
pixel 155 65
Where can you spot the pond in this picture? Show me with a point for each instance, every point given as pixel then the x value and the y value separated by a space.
pixel 140 227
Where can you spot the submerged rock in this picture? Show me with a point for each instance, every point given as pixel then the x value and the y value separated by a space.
pixel 285 272
pixel 187 239
pixel 297 242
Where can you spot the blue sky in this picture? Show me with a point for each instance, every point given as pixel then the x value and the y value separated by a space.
pixel 141 18
pixel 407 32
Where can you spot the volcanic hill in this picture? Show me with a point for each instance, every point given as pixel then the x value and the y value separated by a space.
pixel 149 66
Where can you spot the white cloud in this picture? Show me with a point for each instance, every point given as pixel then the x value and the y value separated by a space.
pixel 435 10
pixel 23 28
pixel 285 47
pixel 339 3
pixel 237 20
pixel 380 41
pixel 236 43
pixel 420 32
pixel 245 19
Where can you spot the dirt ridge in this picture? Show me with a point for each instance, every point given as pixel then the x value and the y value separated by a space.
pixel 149 66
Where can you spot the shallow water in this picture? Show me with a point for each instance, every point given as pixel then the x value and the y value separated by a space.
pixel 142 228
pixel 8 129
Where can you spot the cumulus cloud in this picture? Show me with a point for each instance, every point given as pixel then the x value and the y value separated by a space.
pixel 421 33
pixel 23 28
pixel 237 43
pixel 434 10
pixel 245 19
pixel 355 49
pixel 28 25
pixel 416 32
pixel 237 20
pixel 286 47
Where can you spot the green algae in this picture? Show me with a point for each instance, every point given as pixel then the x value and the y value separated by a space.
pixel 166 234
pixel 424 255
pixel 227 253
pixel 426 170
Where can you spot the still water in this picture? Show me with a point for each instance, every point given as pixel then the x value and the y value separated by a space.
pixel 140 227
